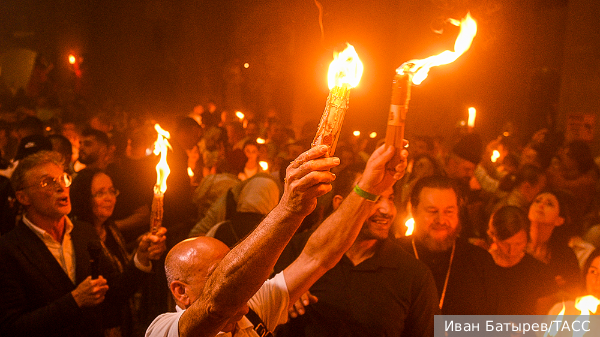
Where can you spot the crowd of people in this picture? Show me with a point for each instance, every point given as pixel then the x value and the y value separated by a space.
pixel 263 234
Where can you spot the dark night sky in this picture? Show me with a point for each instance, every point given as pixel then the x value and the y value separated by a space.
pixel 165 56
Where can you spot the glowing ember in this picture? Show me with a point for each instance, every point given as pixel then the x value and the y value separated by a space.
pixel 161 145
pixel 373 134
pixel 472 114
pixel 264 165
pixel 410 227
pixel 356 133
pixel 420 68
pixel 495 156
pixel 260 140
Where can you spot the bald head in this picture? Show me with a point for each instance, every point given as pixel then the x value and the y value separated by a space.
pixel 192 260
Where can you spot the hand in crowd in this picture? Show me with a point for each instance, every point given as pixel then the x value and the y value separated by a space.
pixel 307 178
pixel 152 246
pixel 376 178
pixel 90 292
pixel 297 309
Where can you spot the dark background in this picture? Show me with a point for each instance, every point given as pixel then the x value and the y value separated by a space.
pixel 532 63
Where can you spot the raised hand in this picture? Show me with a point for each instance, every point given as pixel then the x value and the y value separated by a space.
pixel 307 178
pixel 376 179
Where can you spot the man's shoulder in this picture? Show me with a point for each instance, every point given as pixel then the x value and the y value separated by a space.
pixel 165 325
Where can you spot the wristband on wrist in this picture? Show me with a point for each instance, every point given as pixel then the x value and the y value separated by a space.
pixel 364 194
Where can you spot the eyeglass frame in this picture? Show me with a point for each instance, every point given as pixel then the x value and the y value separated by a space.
pixel 113 192
pixel 67 180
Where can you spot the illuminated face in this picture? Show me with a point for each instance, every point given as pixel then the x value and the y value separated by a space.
pixel 545 209
pixel 592 278
pixel 377 226
pixel 436 218
pixel 52 201
pixel 512 250
pixel 104 197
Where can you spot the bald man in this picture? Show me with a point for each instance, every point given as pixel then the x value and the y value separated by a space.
pixel 214 288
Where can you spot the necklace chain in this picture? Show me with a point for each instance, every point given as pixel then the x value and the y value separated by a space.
pixel 447 273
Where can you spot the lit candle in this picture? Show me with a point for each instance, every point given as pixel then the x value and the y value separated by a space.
pixel 495 156
pixel 356 133
pixel 264 165
pixel 161 146
pixel 344 74
pixel 410 227
pixel 471 121
pixel 240 115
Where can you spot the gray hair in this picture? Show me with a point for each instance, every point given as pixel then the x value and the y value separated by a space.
pixel 32 161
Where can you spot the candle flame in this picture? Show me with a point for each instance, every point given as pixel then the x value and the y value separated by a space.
pixel 72 59
pixel 420 68
pixel 264 165
pixel 161 145
pixel 587 304
pixel 410 227
pixel 373 134
pixel 472 115
pixel 190 172
pixel 240 115
pixel 260 140
pixel 356 133
pixel 346 68
pixel 495 156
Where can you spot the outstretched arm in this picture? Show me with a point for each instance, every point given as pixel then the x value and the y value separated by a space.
pixel 337 233
pixel 243 270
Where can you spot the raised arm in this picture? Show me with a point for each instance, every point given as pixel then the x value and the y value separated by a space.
pixel 337 233
pixel 243 270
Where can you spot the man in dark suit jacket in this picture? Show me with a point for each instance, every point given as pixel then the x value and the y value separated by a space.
pixel 45 283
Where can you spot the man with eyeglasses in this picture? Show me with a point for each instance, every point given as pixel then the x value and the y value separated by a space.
pixel 46 261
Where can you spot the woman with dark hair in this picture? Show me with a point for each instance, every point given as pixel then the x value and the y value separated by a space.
pixel 550 231
pixel 93 199
pixel 524 279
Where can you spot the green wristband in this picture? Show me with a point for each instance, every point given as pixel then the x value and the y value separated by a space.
pixel 365 194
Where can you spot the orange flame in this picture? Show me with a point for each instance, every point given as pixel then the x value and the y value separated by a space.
pixel 410 227
pixel 420 68
pixel 346 68
pixel 161 145
pixel 72 59
pixel 495 156
pixel 472 115
pixel 264 165
pixel 587 304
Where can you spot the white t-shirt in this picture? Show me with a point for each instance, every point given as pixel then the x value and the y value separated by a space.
pixel 270 303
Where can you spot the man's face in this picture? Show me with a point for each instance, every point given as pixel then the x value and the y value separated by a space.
pixel 91 150
pixel 377 226
pixel 51 202
pixel 436 218
pixel 461 169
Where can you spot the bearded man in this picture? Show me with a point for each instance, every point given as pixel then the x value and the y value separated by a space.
pixel 465 275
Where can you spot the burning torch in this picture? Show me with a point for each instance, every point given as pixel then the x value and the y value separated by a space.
pixel 161 146
pixel 414 72
pixel 344 74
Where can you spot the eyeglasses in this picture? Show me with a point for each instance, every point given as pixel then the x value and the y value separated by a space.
pixel 103 194
pixel 64 180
